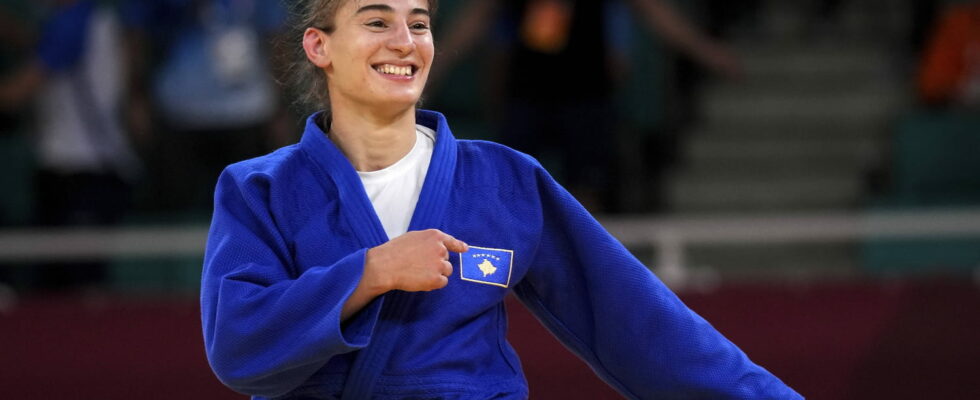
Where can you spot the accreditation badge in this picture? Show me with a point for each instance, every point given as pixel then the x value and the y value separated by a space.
pixel 486 265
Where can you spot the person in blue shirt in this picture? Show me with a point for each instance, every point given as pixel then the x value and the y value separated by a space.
pixel 87 163
pixel 371 259
pixel 205 91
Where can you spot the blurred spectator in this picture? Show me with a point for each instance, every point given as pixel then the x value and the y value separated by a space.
pixel 721 16
pixel 557 92
pixel 16 43
pixel 823 17
pixel 922 15
pixel 12 32
pixel 950 70
pixel 206 88
pixel 86 164
pixel 16 39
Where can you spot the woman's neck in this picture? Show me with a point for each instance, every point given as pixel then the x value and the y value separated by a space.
pixel 370 141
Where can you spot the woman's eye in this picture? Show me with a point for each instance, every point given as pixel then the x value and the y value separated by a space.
pixel 419 26
pixel 376 24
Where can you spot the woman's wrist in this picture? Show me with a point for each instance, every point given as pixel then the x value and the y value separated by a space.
pixel 374 280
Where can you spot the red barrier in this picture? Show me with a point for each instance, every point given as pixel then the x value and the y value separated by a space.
pixel 908 340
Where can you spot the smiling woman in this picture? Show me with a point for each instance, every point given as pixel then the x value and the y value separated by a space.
pixel 307 77
pixel 333 268
pixel 375 57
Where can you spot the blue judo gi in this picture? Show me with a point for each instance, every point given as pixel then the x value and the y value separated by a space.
pixel 287 246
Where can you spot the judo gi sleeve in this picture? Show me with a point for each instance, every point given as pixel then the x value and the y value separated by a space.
pixel 266 331
pixel 610 310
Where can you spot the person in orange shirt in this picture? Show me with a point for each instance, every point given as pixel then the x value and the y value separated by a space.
pixel 950 69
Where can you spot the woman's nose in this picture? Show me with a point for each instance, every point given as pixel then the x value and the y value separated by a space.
pixel 401 40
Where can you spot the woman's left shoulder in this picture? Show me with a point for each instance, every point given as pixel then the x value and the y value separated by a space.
pixel 485 151
pixel 491 161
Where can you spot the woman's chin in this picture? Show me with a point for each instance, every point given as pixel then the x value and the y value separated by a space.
pixel 383 101
pixel 389 107
pixel 399 102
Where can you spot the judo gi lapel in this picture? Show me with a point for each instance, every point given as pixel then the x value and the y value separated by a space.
pixel 429 211
pixel 364 222
pixel 356 206
pixel 438 183
pixel 354 203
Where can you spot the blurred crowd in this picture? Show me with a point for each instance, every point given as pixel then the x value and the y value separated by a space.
pixel 137 105
pixel 133 107
pixel 113 94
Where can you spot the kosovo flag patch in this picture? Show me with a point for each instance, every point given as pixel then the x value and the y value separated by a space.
pixel 487 266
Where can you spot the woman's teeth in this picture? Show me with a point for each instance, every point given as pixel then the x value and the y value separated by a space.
pixel 394 70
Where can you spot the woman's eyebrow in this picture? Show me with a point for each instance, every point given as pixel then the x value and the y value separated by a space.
pixel 387 8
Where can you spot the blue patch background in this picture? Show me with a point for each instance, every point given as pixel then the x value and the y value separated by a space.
pixel 502 259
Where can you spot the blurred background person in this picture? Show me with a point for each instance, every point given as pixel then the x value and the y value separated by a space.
pixel 558 68
pixel 204 89
pixel 17 37
pixel 86 162
pixel 949 72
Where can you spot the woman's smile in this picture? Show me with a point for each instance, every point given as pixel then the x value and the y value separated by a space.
pixel 396 72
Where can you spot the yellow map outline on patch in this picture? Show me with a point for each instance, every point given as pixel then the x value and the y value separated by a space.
pixel 487 268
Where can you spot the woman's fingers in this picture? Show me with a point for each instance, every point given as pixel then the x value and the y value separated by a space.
pixel 455 245
pixel 418 261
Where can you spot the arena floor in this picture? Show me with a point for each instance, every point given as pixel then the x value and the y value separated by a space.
pixel 896 340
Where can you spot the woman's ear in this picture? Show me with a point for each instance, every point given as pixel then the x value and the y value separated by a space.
pixel 315 43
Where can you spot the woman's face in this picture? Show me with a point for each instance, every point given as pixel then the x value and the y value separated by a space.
pixel 379 53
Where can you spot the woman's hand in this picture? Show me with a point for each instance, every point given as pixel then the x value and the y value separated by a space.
pixel 414 262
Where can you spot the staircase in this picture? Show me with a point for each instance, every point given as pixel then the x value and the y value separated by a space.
pixel 798 134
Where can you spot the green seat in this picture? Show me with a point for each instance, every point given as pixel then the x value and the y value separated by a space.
pixel 937 160
pixel 178 274
pixel 159 274
pixel 936 164
pixel 16 179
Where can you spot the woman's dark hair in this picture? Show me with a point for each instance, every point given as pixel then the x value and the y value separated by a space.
pixel 306 81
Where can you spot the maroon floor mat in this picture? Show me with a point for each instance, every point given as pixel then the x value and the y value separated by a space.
pixel 910 340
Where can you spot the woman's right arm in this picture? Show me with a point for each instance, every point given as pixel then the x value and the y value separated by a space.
pixel 266 331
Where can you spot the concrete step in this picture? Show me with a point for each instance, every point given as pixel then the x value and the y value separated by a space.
pixel 814 175
pixel 792 129
pixel 819 88
pixel 787 21
pixel 846 107
pixel 769 170
pixel 776 152
pixel 850 62
pixel 816 86
pixel 778 191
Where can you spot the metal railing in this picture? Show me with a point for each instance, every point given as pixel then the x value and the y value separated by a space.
pixel 668 236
